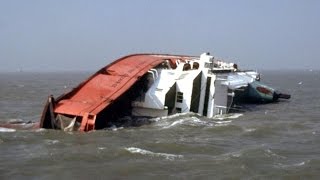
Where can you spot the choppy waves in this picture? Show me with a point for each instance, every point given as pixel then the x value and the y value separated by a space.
pixel 279 140
pixel 194 120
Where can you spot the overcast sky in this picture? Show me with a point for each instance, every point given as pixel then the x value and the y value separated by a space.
pixel 60 35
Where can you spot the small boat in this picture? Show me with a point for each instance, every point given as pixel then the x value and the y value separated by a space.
pixel 257 92
pixel 155 85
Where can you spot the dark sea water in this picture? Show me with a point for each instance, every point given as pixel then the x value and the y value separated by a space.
pixel 271 141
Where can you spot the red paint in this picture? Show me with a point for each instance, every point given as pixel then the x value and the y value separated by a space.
pixel 101 89
pixel 264 90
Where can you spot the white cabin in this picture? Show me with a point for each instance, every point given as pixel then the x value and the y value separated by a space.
pixel 203 85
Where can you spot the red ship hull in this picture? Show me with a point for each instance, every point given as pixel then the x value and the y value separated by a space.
pixel 90 103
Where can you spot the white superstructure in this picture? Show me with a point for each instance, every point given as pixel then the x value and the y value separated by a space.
pixel 202 85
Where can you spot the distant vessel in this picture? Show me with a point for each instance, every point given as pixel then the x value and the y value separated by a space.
pixel 155 85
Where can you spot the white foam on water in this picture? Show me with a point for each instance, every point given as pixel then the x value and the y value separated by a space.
pixel 167 156
pixel 249 129
pixel 51 141
pixel 270 153
pixel 174 123
pixel 114 128
pixel 193 119
pixel 236 154
pixel 228 156
pixel 2 129
pixel 222 123
pixel 300 164
pixel 292 165
pixel 16 121
pixel 172 116
pixel 190 121
pixel 228 116
pixel 40 130
pixel 223 120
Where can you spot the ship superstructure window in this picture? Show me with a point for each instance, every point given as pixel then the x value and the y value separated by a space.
pixel 208 65
pixel 179 97
pixel 186 67
pixel 195 65
pixel 179 110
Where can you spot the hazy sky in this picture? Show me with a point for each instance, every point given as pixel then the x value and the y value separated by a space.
pixel 59 35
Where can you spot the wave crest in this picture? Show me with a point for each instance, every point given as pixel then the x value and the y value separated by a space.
pixel 167 156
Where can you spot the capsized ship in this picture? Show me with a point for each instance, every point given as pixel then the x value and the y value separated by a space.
pixel 153 85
